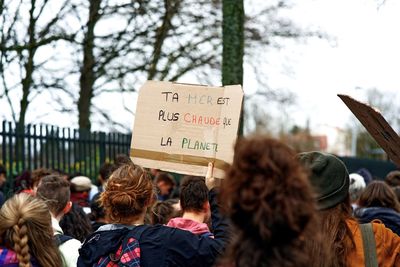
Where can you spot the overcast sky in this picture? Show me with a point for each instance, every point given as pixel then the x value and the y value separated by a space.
pixel 365 54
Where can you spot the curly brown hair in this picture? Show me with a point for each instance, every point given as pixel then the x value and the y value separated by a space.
pixel 271 205
pixel 128 192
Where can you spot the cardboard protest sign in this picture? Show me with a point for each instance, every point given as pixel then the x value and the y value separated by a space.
pixel 377 126
pixel 183 127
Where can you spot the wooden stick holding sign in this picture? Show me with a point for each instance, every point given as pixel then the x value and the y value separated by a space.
pixel 377 126
pixel 183 127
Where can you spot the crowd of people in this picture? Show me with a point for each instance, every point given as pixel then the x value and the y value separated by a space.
pixel 273 208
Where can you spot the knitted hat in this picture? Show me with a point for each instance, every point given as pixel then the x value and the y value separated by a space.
pixel 81 183
pixel 328 176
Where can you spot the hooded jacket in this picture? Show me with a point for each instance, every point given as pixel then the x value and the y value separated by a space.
pixel 160 245
pixel 389 217
pixel 196 228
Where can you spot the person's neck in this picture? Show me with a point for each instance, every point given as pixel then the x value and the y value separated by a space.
pixel 58 217
pixel 194 216
pixel 137 220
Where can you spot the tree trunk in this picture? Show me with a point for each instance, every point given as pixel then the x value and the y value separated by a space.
pixel 233 45
pixel 171 9
pixel 29 67
pixel 88 75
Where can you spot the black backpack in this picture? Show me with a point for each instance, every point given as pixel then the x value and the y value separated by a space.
pixel 61 239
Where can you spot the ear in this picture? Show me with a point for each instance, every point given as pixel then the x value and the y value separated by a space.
pixel 67 207
pixel 206 206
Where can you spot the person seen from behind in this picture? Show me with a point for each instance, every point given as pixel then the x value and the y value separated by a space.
pixel 356 187
pixel 127 195
pixel 162 212
pixel 54 190
pixel 269 201
pixel 165 184
pixel 37 175
pixel 379 202
pixel 97 214
pixel 26 234
pixel 76 223
pixel 23 184
pixel 195 207
pixel 80 189
pixel 351 244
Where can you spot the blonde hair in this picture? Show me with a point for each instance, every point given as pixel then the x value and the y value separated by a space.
pixel 127 194
pixel 25 224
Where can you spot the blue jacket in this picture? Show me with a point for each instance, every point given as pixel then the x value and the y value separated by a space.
pixel 389 217
pixel 162 246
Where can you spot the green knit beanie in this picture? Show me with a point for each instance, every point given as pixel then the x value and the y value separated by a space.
pixel 328 176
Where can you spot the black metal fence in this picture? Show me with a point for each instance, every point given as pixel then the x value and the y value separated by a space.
pixel 64 149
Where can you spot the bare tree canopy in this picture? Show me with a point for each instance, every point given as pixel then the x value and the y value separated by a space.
pixel 75 56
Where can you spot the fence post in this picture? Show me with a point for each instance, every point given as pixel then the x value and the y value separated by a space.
pixel 102 147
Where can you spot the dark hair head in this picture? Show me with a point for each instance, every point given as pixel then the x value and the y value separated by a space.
pixel 193 193
pixel 162 212
pixel 379 194
pixel 38 174
pixel 393 178
pixel 97 211
pixel 128 192
pixel 23 182
pixel 122 159
pixel 76 223
pixel 106 170
pixel 55 191
pixel 270 202
pixel 166 178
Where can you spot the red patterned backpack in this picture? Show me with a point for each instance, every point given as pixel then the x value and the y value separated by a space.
pixel 127 254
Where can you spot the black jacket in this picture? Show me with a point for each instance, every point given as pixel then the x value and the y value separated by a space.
pixel 162 246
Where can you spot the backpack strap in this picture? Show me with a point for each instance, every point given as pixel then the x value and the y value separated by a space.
pixel 368 237
pixel 61 239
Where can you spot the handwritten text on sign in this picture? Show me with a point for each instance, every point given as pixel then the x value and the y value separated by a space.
pixel 180 127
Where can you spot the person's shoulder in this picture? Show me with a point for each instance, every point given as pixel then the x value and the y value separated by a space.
pixel 73 242
pixel 385 236
pixel 70 246
pixel 380 229
pixel 166 231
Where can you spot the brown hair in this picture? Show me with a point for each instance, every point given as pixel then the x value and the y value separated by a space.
pixel 336 234
pixel 271 205
pixel 38 174
pixel 55 191
pixel 393 178
pixel 166 178
pixel 162 212
pixel 193 193
pixel 128 192
pixel 379 194
pixel 106 170
pixel 25 223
